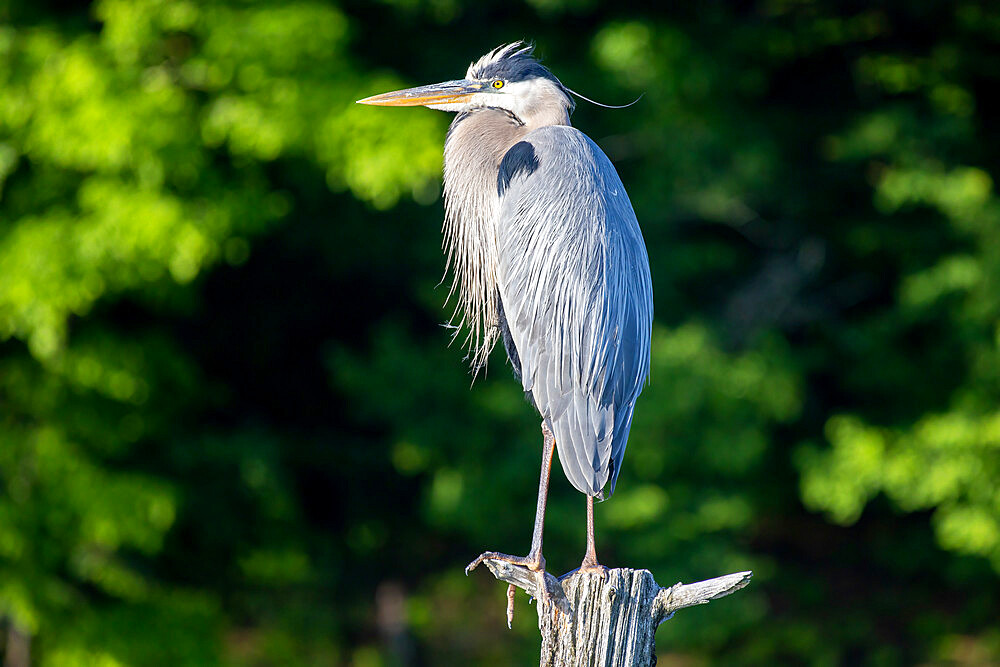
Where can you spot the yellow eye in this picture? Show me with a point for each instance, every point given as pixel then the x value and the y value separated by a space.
pixel 498 84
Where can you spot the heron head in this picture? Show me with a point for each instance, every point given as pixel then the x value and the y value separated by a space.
pixel 508 77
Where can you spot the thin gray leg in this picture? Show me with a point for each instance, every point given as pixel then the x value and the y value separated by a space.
pixel 590 563
pixel 534 560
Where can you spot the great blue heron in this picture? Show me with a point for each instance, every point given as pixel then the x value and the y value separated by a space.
pixel 547 256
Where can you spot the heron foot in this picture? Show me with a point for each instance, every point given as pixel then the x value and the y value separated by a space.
pixel 594 569
pixel 591 566
pixel 533 563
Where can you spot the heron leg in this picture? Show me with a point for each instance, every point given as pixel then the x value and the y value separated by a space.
pixel 590 563
pixel 534 561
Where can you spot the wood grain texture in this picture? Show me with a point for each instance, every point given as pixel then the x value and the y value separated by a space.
pixel 589 620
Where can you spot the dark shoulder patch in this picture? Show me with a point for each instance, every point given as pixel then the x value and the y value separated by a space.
pixel 520 159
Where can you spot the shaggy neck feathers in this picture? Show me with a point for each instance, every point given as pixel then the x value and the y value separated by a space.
pixel 476 143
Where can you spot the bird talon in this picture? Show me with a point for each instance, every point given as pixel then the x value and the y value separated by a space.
pixel 511 590
pixel 533 564
pixel 594 568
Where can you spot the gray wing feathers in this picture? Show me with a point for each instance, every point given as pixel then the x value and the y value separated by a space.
pixel 574 281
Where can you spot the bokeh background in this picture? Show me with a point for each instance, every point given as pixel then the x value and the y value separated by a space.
pixel 232 430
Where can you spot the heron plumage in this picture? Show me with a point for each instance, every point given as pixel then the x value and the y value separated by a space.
pixel 573 278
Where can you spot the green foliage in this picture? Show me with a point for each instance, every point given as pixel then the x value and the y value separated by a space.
pixel 947 463
pixel 232 430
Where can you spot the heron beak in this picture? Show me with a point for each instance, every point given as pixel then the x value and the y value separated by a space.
pixel 448 92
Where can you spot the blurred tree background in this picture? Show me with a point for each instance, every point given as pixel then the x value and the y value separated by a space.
pixel 232 430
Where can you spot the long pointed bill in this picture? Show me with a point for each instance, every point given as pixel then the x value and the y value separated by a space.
pixel 448 92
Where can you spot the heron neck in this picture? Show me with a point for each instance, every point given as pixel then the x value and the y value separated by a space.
pixel 476 143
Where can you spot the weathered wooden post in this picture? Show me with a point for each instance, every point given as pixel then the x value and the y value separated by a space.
pixel 588 620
